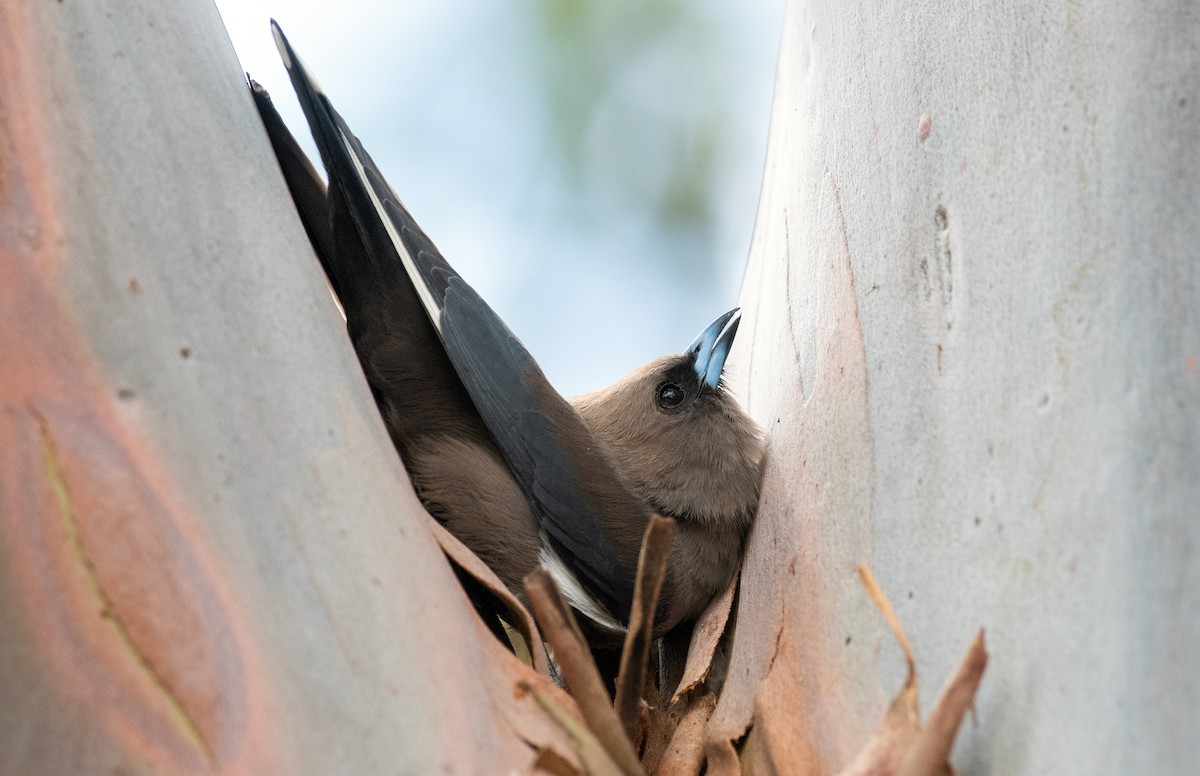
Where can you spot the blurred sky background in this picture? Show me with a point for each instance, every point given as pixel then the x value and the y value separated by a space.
pixel 591 168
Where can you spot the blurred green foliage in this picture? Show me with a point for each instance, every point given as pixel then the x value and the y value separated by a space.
pixel 636 106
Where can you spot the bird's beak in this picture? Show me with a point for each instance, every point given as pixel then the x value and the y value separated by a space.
pixel 712 347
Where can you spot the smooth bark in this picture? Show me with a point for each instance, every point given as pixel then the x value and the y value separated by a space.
pixel 212 560
pixel 973 318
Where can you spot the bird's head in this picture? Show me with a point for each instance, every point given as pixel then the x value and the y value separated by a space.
pixel 678 436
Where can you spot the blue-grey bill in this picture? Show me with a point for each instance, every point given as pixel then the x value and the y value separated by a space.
pixel 712 347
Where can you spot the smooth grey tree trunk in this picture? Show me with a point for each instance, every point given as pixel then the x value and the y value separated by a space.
pixel 972 333
pixel 211 560
pixel 973 310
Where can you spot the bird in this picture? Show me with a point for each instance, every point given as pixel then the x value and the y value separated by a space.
pixel 522 476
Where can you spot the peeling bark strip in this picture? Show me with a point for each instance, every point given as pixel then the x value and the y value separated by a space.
pixel 596 758
pixel 932 749
pixel 889 614
pixel 646 720
pixel 461 556
pixel 685 752
pixel 705 637
pixel 635 653
pixel 778 742
pixel 583 679
pixel 900 745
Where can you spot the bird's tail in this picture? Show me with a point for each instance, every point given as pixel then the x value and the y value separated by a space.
pixel 393 246
pixel 303 181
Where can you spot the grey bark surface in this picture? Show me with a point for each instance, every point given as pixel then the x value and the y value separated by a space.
pixel 972 331
pixel 311 623
pixel 973 318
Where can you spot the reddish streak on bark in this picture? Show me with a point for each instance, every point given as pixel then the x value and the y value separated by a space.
pixel 787 669
pixel 125 611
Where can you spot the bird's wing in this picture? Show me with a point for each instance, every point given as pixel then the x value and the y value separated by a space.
pixel 591 518
pixel 413 381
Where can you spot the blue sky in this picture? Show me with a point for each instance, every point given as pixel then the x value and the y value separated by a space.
pixel 592 169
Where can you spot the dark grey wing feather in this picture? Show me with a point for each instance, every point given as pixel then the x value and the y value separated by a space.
pixel 589 515
pixel 411 377
pixel 591 518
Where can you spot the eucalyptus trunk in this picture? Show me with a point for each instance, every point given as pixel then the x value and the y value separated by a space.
pixel 973 312
pixel 212 560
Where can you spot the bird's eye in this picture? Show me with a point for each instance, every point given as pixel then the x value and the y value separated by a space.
pixel 669 396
